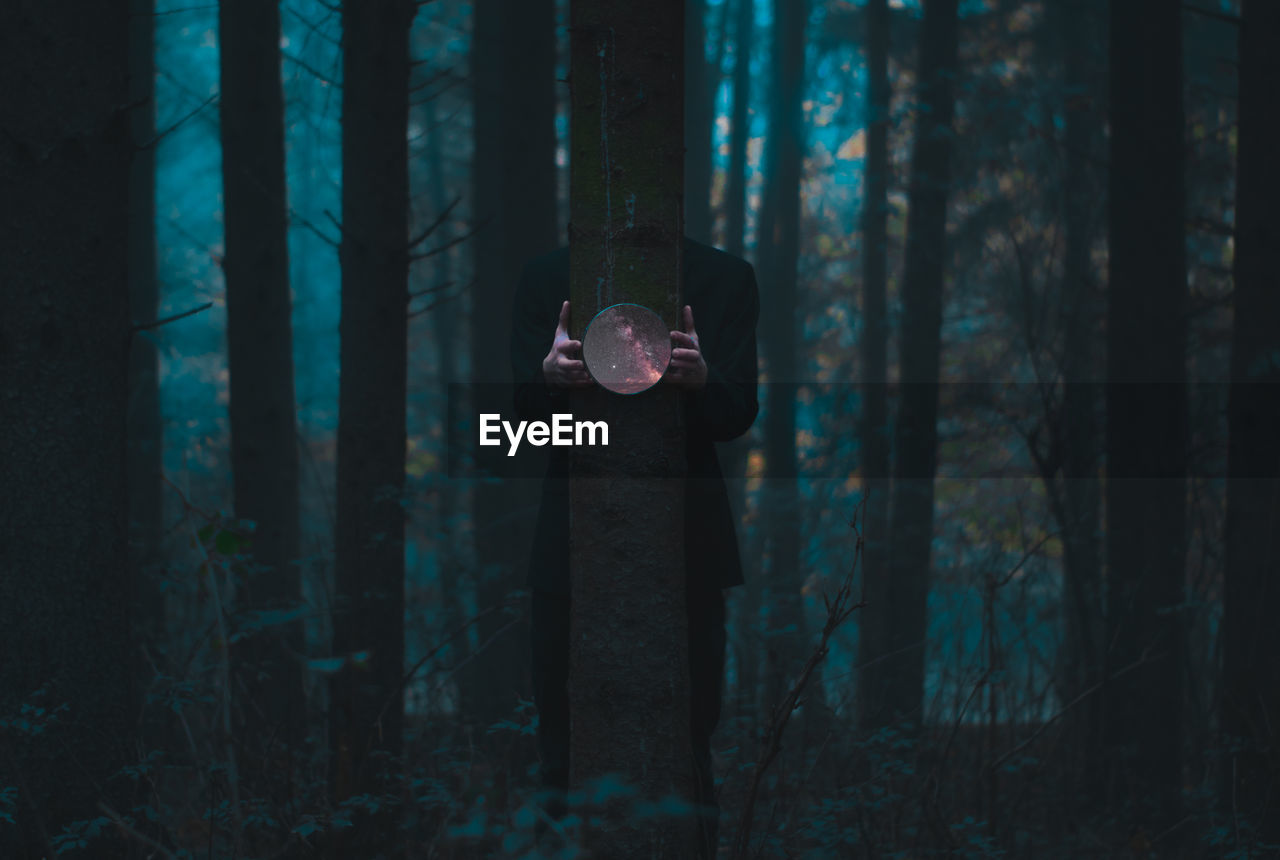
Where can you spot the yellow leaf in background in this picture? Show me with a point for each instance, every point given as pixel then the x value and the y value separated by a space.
pixel 854 147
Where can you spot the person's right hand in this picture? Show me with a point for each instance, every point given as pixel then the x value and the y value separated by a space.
pixel 562 368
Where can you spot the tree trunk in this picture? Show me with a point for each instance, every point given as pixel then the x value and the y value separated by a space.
pixel 628 626
pixel 64 364
pixel 733 455
pixel 514 199
pixel 1251 679
pixel 1081 492
pixel 1146 401
pixel 915 433
pixel 786 141
pixel 146 501
pixel 873 429
pixel 739 129
pixel 699 113
pixel 264 440
pixel 368 626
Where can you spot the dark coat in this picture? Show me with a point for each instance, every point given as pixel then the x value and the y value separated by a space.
pixel 722 291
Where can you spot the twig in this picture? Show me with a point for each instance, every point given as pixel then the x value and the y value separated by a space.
pixel 431 228
pixel 134 832
pixel 174 318
pixel 838 611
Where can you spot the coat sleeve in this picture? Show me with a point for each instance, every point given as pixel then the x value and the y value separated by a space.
pixel 727 406
pixel 533 327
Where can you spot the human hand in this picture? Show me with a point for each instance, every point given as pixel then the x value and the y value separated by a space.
pixel 687 369
pixel 562 368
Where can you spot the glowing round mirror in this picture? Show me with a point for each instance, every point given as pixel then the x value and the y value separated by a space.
pixel 626 348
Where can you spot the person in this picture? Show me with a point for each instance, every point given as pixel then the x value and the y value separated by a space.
pixel 713 360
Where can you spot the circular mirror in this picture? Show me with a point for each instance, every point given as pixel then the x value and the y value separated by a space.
pixel 626 348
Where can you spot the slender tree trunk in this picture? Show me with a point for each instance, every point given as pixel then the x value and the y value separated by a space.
pixel 1081 492
pixel 1251 678
pixel 734 454
pixel 146 501
pixel 915 433
pixel 873 429
pixel 264 440
pixel 368 628
pixel 1146 402
pixel 699 112
pixel 786 140
pixel 628 626
pixel 452 500
pixel 65 586
pixel 514 198
pixel 739 129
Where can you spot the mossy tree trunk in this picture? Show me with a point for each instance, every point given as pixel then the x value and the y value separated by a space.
pixel 629 670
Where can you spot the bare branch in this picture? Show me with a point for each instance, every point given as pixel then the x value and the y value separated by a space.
pixel 167 320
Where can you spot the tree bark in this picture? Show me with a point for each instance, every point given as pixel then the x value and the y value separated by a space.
pixel 514 202
pixel 629 690
pixel 1146 402
pixel 916 433
pixel 367 704
pixel 65 586
pixel 1251 678
pixel 264 440
pixel 873 429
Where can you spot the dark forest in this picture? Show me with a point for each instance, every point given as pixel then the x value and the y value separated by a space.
pixel 939 514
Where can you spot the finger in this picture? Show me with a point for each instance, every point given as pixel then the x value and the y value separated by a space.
pixel 688 320
pixel 567 346
pixel 690 356
pixel 563 327
pixel 570 365
pixel 681 339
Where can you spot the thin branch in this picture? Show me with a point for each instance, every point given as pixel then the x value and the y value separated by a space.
pixel 134 832
pixel 307 67
pixel 431 228
pixel 161 135
pixel 174 318
pixel 838 611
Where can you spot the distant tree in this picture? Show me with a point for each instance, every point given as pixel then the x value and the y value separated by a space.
pixel 1251 668
pixel 67 691
pixel 733 455
pixel 264 440
pixel 146 506
pixel 915 432
pixel 1146 403
pixel 778 334
pixel 873 429
pixel 629 588
pixel 1078 500
pixel 739 128
pixel 367 698
pixel 699 114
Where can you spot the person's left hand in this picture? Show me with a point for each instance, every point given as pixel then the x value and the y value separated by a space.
pixel 687 369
